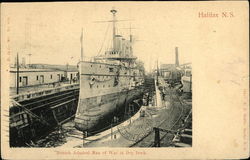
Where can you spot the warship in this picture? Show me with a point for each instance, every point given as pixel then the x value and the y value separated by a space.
pixel 108 82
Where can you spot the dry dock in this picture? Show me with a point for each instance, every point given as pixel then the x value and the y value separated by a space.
pixel 152 126
pixel 164 122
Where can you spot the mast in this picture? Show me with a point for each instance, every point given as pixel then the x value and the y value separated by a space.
pixel 17 74
pixel 81 46
pixel 176 57
pixel 113 11
pixel 131 40
pixel 157 74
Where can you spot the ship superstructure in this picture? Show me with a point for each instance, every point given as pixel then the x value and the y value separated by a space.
pixel 108 82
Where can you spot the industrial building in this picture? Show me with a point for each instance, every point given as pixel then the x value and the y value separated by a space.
pixel 32 77
pixel 37 76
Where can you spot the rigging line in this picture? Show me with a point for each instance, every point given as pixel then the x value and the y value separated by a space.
pixel 103 40
pixel 109 43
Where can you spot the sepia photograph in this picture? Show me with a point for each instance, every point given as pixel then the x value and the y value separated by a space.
pixel 116 78
pixel 100 94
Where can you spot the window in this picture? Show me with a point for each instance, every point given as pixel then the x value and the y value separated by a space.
pixel 58 78
pixel 37 77
pixel 25 81
pixel 41 79
pixel 51 76
pixel 111 69
pixel 20 79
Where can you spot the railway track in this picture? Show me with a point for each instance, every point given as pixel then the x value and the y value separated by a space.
pixel 148 140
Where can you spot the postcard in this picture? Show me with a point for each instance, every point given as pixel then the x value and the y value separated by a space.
pixel 114 80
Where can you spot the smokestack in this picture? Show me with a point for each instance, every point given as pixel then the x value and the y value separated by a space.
pixel 176 57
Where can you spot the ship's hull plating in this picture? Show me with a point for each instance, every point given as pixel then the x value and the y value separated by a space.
pixel 87 119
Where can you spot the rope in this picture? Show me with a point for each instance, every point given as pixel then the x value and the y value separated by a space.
pixel 103 40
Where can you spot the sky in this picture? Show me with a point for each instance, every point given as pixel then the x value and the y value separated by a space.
pixel 50 32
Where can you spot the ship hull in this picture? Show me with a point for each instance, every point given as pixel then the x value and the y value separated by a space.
pixel 87 120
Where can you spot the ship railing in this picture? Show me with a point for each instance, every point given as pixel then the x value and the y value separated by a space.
pixel 29 95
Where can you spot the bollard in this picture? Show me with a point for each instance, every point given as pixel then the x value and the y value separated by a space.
pixel 84 135
pixel 157 137
pixel 111 134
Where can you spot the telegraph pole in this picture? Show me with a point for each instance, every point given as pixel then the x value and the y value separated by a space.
pixel 17 74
